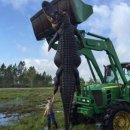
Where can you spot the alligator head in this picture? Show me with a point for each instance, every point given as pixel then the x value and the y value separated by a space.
pixel 52 14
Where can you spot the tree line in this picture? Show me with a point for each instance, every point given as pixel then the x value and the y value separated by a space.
pixel 21 76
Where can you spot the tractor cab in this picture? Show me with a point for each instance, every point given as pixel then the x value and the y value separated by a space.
pixel 110 77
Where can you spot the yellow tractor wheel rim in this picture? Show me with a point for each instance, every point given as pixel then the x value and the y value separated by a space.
pixel 121 121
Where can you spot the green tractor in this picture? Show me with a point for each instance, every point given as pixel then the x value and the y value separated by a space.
pixel 109 101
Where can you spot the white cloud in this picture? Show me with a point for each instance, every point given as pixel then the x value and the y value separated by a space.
pixel 45 53
pixel 46 63
pixel 99 21
pixel 22 48
pixel 42 65
pixel 120 24
pixel 84 71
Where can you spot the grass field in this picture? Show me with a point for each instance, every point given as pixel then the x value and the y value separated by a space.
pixel 31 102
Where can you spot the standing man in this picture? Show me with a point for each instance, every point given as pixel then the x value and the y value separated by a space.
pixel 50 113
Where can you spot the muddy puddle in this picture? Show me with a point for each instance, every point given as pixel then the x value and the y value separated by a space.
pixel 11 119
pixel 6 120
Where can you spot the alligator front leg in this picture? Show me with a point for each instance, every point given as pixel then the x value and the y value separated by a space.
pixel 53 40
pixel 57 79
pixel 77 33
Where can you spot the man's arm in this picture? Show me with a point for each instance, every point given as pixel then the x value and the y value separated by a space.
pixel 45 112
pixel 53 98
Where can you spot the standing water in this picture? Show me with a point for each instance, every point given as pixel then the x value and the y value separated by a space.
pixel 11 119
pixel 6 120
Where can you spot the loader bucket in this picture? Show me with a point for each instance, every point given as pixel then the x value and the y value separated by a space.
pixel 76 9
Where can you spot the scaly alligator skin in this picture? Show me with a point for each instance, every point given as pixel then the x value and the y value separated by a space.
pixel 67 58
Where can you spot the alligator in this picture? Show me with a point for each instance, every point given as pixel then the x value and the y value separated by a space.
pixel 67 58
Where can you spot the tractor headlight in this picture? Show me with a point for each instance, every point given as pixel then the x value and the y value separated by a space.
pixel 83 100
pixel 88 101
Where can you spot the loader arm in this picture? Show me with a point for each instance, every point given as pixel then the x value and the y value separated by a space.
pixel 105 44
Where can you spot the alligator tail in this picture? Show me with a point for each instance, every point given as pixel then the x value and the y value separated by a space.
pixel 67 94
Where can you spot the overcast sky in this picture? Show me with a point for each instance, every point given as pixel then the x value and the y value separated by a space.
pixel 111 18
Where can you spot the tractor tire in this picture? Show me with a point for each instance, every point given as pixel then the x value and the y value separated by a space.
pixel 117 117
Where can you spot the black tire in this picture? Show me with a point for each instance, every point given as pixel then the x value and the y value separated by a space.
pixel 117 117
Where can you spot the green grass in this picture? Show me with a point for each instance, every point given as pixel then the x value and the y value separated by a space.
pixel 31 101
pixel 28 101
